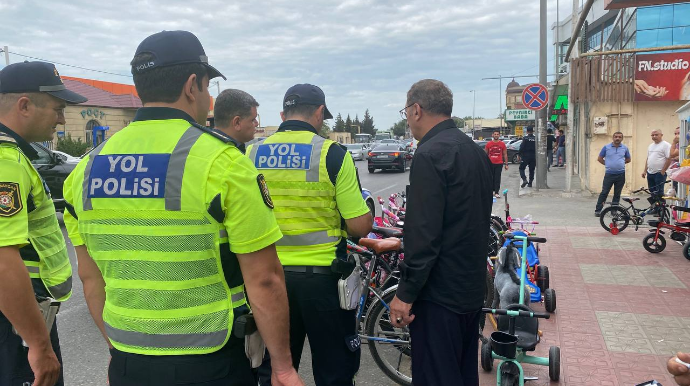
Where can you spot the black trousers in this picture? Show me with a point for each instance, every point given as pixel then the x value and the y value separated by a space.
pixel 615 180
pixel 531 163
pixel 14 365
pixel 227 367
pixel 315 314
pixel 496 170
pixel 444 346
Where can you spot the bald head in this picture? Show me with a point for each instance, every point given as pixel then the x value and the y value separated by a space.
pixel 657 135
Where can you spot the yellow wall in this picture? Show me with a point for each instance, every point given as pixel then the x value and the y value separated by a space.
pixel 637 120
pixel 75 125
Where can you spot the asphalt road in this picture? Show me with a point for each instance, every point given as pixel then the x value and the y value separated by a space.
pixel 85 353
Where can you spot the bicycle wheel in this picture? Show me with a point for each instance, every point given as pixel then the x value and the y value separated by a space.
pixel 614 215
pixel 654 246
pixel 494 242
pixel 384 341
pixel 488 300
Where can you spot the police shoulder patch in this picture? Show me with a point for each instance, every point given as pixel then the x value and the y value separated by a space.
pixel 264 191
pixel 10 199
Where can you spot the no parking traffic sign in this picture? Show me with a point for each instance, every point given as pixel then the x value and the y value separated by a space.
pixel 535 96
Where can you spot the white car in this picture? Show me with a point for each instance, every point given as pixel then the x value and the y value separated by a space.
pixel 67 158
pixel 357 150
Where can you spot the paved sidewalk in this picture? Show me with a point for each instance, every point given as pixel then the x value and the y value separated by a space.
pixel 621 311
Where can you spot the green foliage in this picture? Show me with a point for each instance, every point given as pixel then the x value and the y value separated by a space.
pixel 459 122
pixel 339 126
pixel 348 124
pixel 72 147
pixel 399 128
pixel 324 130
pixel 368 123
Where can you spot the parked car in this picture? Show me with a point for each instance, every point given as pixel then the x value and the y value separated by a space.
pixel 66 157
pixel 357 150
pixel 388 156
pixel 513 150
pixel 481 142
pixel 54 170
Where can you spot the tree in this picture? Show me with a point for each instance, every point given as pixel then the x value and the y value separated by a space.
pixel 72 147
pixel 339 126
pixel 459 122
pixel 399 128
pixel 324 130
pixel 368 123
pixel 348 124
pixel 356 125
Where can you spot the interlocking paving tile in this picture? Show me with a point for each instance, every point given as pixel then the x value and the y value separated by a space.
pixel 641 345
pixel 631 275
pixel 606 243
pixel 643 333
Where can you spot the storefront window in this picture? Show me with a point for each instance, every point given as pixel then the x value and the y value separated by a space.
pixel 654 17
pixel 655 38
pixel 681 15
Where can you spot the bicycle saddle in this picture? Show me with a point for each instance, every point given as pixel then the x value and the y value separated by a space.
pixel 382 245
pixel 630 199
pixel 387 232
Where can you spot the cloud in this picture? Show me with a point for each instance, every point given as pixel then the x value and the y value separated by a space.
pixel 365 54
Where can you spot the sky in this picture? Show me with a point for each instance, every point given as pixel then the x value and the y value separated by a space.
pixel 364 54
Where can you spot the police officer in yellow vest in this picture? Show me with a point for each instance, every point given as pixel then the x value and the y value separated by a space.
pixel 32 249
pixel 171 223
pixel 318 201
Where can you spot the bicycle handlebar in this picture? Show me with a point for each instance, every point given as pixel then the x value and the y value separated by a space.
pixel 513 313
pixel 529 238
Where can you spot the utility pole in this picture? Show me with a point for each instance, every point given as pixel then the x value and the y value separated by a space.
pixel 474 99
pixel 570 130
pixel 6 50
pixel 217 83
pixel 541 114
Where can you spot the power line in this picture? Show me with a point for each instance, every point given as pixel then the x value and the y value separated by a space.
pixel 68 65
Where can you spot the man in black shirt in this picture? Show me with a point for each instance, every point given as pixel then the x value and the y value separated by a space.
pixel 527 151
pixel 550 139
pixel 441 291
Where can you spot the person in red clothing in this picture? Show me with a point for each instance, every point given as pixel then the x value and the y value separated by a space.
pixel 498 154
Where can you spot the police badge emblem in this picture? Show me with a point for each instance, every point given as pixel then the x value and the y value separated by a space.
pixel 10 199
pixel 264 191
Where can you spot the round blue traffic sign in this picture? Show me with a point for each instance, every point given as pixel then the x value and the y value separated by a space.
pixel 535 96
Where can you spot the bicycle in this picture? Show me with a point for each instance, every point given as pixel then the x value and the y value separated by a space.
pixel 390 346
pixel 616 218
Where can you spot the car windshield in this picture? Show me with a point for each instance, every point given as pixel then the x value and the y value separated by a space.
pixel 387 147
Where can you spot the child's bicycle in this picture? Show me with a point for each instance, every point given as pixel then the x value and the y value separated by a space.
pixel 655 242
pixel 616 218
pixel 522 335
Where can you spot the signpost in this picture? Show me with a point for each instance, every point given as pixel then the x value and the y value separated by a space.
pixel 519 115
pixel 535 96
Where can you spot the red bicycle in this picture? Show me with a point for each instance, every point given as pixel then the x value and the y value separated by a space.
pixel 655 241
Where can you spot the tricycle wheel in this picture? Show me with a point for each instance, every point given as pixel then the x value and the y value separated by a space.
pixel 486 359
pixel 550 300
pixel 654 246
pixel 686 249
pixel 510 374
pixel 554 363
pixel 542 277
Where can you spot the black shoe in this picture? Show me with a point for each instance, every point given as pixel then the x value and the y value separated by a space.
pixel 597 213
pixel 524 183
pixel 529 185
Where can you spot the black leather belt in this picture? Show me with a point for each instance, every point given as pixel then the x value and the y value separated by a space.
pixel 309 269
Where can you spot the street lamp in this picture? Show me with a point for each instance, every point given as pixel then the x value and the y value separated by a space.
pixel 474 99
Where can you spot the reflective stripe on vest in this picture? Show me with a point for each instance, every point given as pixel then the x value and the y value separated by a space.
pixel 165 289
pixel 304 198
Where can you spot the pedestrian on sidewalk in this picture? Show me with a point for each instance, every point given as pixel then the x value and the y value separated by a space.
pixel 442 284
pixel 614 156
pixel 675 154
pixel 658 160
pixel 498 155
pixel 528 157
pixel 550 139
pixel 560 153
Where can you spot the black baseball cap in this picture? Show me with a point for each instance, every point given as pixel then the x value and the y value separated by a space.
pixel 173 47
pixel 530 129
pixel 306 94
pixel 36 77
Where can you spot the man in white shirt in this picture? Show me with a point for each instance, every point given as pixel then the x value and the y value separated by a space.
pixel 658 160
